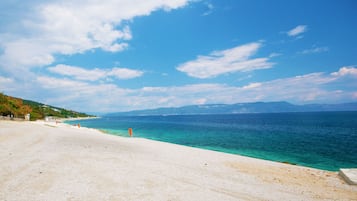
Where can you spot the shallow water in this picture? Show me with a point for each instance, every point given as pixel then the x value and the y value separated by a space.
pixel 324 140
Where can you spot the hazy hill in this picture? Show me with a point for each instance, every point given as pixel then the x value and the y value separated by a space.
pixel 257 107
pixel 18 108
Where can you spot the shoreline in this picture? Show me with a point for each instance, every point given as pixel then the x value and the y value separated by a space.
pixel 268 157
pixel 48 161
pixel 196 147
pixel 214 150
pixel 76 118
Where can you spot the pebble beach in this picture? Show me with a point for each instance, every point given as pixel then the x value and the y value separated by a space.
pixel 57 161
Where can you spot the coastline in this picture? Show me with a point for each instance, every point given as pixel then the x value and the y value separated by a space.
pixel 77 118
pixel 311 143
pixel 57 161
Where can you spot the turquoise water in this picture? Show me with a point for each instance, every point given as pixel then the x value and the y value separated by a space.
pixel 324 140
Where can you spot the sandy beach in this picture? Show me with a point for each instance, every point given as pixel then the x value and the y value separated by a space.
pixel 49 161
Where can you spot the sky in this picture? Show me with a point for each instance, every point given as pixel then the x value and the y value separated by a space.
pixel 119 55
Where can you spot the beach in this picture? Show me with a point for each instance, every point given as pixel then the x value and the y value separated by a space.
pixel 56 161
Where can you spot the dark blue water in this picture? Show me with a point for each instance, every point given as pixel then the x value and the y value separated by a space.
pixel 324 140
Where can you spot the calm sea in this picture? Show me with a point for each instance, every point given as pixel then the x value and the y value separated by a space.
pixel 324 140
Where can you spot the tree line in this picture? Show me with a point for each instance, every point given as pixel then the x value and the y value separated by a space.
pixel 18 108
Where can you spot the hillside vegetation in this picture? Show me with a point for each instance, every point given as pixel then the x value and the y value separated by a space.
pixel 19 108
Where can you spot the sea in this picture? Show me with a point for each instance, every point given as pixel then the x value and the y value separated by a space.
pixel 322 140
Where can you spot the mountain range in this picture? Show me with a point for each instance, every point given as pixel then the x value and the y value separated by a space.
pixel 238 108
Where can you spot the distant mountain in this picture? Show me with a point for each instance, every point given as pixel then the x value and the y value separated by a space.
pixel 18 108
pixel 257 107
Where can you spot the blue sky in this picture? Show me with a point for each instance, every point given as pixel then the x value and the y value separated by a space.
pixel 120 55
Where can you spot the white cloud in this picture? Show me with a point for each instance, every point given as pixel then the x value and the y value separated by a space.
pixel 226 61
pixel 252 85
pixel 309 88
pixel 298 89
pixel 315 50
pixel 70 27
pixel 80 95
pixel 125 73
pixel 297 30
pixel 5 83
pixel 116 47
pixel 344 71
pixel 5 80
pixel 24 52
pixel 274 54
pixel 55 83
pixel 77 72
pixel 87 96
pixel 94 74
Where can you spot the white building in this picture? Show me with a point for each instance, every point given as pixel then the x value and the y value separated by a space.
pixel 27 117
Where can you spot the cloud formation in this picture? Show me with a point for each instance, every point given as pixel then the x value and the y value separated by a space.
pixel 226 61
pixel 94 74
pixel 37 35
pixel 346 71
pixel 61 28
pixel 5 81
pixel 84 95
pixel 315 50
pixel 297 30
